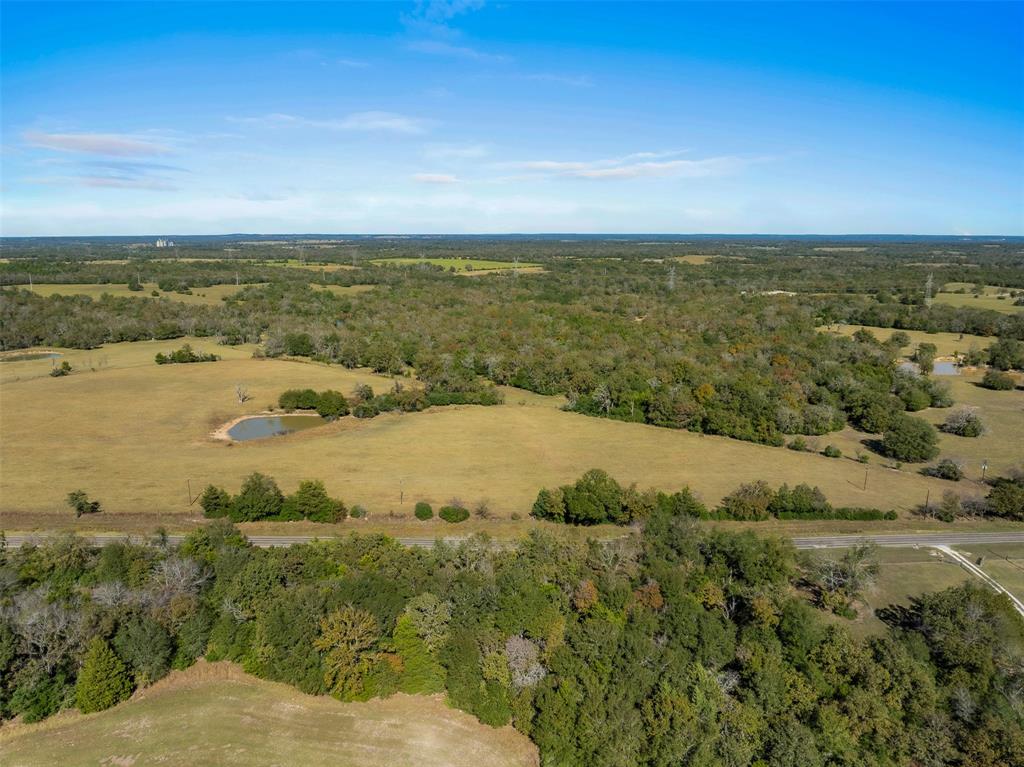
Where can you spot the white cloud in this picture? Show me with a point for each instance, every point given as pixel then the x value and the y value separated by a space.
pixel 442 48
pixel 369 122
pixel 111 144
pixel 455 151
pixel 434 178
pixel 640 164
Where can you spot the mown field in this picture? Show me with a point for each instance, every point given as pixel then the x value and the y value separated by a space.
pixel 214 715
pixel 132 434
pixel 462 265
pixel 946 344
pixel 904 573
pixel 212 295
pixel 994 297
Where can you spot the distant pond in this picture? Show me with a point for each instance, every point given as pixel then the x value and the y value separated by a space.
pixel 939 369
pixel 261 426
pixel 29 356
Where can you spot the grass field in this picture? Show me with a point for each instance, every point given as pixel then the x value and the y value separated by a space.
pixel 214 715
pixel 343 290
pixel 208 296
pixel 461 265
pixel 132 432
pixel 904 573
pixel 1001 411
pixel 947 344
pixel 1003 561
pixel 997 298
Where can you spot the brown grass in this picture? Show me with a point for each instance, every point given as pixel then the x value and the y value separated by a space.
pixel 214 714
pixel 131 433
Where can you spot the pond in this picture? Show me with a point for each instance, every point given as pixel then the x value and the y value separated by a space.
pixel 29 356
pixel 259 427
pixel 939 368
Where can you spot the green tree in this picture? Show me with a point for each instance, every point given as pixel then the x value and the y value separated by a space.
pixel 312 502
pixel 146 646
pixel 215 501
pixel 79 501
pixel 260 498
pixel 347 637
pixel 595 498
pixel 421 671
pixel 910 439
pixel 998 381
pixel 103 680
pixel 332 404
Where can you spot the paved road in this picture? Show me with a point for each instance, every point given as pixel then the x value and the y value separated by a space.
pixel 810 542
pixel 910 539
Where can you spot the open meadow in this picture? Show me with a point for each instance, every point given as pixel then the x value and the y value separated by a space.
pixel 208 296
pixel 132 434
pixel 466 266
pixel 993 297
pixel 215 715
pixel 947 344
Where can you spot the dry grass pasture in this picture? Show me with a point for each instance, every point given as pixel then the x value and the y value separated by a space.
pixel 211 295
pixel 904 573
pixel 993 297
pixel 466 266
pixel 215 715
pixel 131 433
pixel 946 344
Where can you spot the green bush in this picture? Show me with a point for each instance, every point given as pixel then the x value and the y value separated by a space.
pixel 103 680
pixel 63 370
pixel 750 501
pixel 453 514
pixel 299 399
pixel 260 498
pixel 945 469
pixel 999 381
pixel 910 439
pixel 423 511
pixel 831 451
pixel 215 502
pixel 332 404
pixel 312 502
pixel 358 512
pixel 184 355
pixel 79 501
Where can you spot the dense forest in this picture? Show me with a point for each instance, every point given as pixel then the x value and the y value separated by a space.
pixel 624 330
pixel 672 645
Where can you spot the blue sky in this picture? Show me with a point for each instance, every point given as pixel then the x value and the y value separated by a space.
pixel 466 116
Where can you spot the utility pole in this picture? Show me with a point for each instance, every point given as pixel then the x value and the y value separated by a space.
pixel 865 477
pixel 984 468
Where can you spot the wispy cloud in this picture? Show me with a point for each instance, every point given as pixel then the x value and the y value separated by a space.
pixel 434 178
pixel 371 122
pixel 640 165
pixel 442 48
pixel 455 151
pixel 111 144
pixel 353 63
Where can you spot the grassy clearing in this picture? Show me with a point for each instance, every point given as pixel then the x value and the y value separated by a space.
pixel 1003 561
pixel 993 297
pixel 343 290
pixel 214 714
pixel 210 296
pixel 947 344
pixel 463 265
pixel 132 432
pixel 903 575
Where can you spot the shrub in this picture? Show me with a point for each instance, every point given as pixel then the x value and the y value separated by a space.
pixel 801 501
pixel 184 355
pixel 910 439
pixel 312 502
pixel 453 514
pixel 216 502
pixel 79 501
pixel 358 512
pixel 332 404
pixel 63 370
pixel 799 444
pixel 995 379
pixel 260 498
pixel 1006 499
pixel 749 501
pixel 831 451
pixel 964 422
pixel 103 680
pixel 423 511
pixel 299 399
pixel 549 505
pixel 945 469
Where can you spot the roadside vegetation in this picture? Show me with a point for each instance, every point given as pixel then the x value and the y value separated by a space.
pixel 553 637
